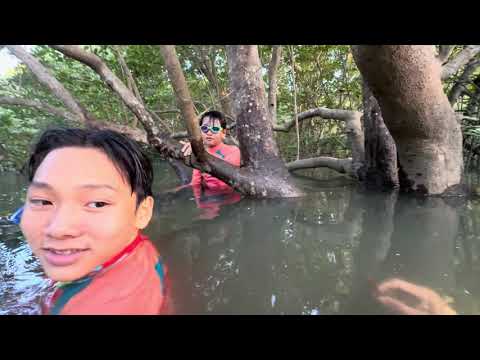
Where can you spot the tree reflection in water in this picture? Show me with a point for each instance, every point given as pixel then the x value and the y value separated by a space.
pixel 322 254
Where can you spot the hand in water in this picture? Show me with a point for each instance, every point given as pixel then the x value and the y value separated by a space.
pixel 187 148
pixel 410 299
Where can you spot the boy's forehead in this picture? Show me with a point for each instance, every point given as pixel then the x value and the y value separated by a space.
pixel 83 165
pixel 209 120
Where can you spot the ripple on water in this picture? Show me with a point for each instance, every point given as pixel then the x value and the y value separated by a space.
pixel 22 281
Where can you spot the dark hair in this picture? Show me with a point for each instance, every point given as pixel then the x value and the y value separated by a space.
pixel 126 155
pixel 215 115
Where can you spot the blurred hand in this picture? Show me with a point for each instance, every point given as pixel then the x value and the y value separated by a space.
pixel 393 294
pixel 187 148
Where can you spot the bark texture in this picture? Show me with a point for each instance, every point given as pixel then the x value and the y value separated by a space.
pixel 406 82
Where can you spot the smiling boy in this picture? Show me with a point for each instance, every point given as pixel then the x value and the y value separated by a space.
pixel 88 199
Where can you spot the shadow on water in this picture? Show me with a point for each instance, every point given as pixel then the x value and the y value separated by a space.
pixel 315 255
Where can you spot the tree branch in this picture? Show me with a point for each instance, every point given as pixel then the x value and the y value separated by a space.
pixel 464 79
pixel 184 99
pixel 325 113
pixel 343 166
pixel 353 127
pixel 272 81
pixel 6 100
pixel 460 60
pixel 156 137
pixel 46 78
pixel 444 53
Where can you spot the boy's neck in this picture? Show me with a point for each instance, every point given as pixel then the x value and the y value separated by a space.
pixel 216 147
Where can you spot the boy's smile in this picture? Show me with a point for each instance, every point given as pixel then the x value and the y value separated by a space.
pixel 79 212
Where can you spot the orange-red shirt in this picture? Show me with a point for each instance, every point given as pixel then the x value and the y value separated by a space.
pixel 132 286
pixel 228 153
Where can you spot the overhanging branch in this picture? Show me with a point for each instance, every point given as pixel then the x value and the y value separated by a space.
pixel 343 166
pixel 38 105
pixel 451 67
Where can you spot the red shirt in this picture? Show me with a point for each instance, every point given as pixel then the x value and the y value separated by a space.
pixel 228 153
pixel 130 287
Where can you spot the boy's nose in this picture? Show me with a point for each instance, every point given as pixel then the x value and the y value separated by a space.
pixel 63 224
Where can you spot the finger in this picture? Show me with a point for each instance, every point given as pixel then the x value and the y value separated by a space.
pixel 186 150
pixel 398 284
pixel 398 306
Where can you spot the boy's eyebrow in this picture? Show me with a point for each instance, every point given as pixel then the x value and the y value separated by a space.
pixel 97 186
pixel 43 185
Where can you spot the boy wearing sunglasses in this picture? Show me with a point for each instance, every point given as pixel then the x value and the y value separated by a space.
pixel 213 127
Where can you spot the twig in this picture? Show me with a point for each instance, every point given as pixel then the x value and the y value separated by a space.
pixel 292 57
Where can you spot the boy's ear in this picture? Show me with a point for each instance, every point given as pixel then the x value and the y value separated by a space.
pixel 144 213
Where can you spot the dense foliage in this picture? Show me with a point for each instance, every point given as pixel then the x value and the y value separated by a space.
pixel 326 76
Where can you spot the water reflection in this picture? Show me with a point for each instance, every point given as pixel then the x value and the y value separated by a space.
pixel 327 253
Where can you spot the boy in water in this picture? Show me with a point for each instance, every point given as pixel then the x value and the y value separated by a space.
pixel 213 127
pixel 88 199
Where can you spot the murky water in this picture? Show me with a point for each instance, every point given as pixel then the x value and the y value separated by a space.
pixel 315 255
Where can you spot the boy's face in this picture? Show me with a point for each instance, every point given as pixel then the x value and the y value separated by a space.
pixel 211 139
pixel 80 212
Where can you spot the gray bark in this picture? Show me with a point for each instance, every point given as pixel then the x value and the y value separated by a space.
pixel 343 166
pixel 406 82
pixel 184 100
pixel 380 169
pixel 353 129
pixel 444 53
pixel 459 61
pixel 272 82
pixel 459 87
pixel 254 132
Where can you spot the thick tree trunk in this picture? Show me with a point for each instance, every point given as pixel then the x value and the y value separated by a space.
pixel 254 132
pixel 406 82
pixel 380 167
